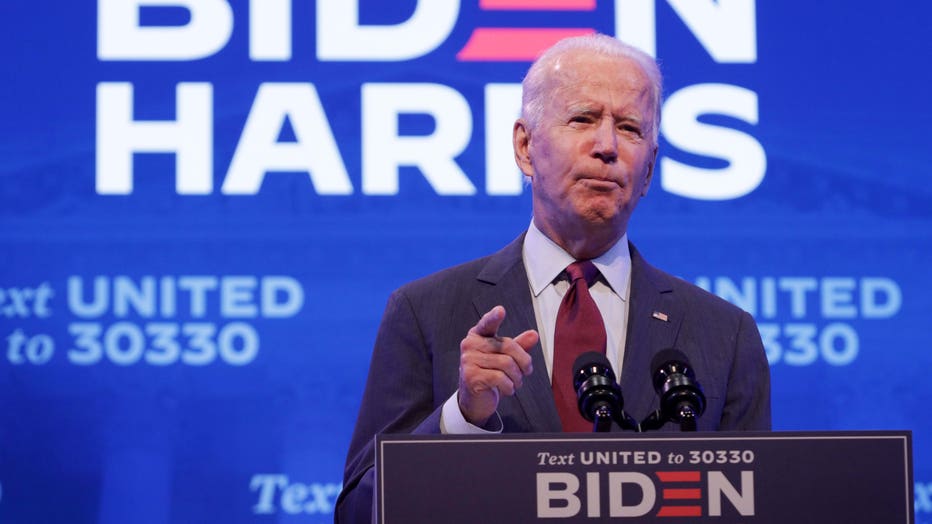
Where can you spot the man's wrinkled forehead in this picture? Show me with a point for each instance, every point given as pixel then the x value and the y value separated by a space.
pixel 571 74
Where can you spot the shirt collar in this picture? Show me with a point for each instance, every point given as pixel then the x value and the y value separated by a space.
pixel 545 260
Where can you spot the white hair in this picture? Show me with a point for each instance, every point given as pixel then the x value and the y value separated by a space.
pixel 534 86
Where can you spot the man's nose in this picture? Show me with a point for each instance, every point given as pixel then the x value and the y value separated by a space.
pixel 605 141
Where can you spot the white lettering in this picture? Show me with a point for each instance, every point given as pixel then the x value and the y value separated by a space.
pixel 803 349
pixel 838 298
pixel 293 498
pixel 21 348
pixel 682 128
pixel 233 296
pixel 238 343
pixel 87 350
pixel 26 301
pixel 502 108
pixel 198 287
pixel 163 343
pixel 313 498
pixel 168 303
pixel 384 150
pixel 159 343
pixel 923 497
pixel 128 297
pixel 768 297
pixel 100 297
pixel 636 24
pixel 617 506
pixel 315 150
pixel 837 343
pixel 121 37
pixel 238 297
pixel 798 287
pixel 593 495
pixel 266 485
pixel 567 503
pixel 745 298
pixel 288 290
pixel 341 37
pixel 742 501
pixel 124 343
pixel 190 138
pixel 270 30
pixel 839 354
pixel 727 29
pixel 875 288
pixel 202 349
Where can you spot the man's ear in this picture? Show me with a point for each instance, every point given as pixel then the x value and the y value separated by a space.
pixel 650 172
pixel 521 141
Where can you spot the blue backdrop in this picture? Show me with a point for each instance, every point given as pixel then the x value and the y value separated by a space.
pixel 204 205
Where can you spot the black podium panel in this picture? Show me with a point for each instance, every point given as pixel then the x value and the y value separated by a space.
pixel 778 478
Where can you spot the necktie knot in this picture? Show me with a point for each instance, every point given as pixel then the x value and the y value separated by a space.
pixel 583 269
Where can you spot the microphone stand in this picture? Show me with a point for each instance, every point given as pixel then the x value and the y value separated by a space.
pixel 688 418
pixel 602 419
pixel 685 415
pixel 604 416
pixel 654 421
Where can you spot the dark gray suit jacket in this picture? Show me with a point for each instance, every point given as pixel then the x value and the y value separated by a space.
pixel 415 362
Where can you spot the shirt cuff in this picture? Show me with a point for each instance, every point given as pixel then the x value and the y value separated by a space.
pixel 452 421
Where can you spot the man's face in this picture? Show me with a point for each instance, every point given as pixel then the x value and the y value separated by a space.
pixel 591 154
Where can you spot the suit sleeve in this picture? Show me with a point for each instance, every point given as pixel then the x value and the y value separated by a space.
pixel 399 398
pixel 747 404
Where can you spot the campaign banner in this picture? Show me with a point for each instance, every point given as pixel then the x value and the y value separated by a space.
pixel 204 205
pixel 768 478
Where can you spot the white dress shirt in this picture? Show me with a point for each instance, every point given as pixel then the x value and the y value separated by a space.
pixel 545 263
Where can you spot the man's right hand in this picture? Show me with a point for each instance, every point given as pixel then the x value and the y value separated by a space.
pixel 491 366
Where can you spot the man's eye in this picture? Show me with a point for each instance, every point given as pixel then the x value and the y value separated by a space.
pixel 581 119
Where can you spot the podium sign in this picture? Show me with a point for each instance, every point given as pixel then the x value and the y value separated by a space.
pixel 851 477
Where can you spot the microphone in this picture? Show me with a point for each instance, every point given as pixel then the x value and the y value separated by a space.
pixel 681 396
pixel 597 392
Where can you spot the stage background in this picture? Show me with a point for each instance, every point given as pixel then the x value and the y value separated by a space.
pixel 189 343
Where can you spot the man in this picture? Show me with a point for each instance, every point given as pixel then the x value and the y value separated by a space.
pixel 472 348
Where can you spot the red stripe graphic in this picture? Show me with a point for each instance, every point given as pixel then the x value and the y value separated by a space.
pixel 678 476
pixel 513 44
pixel 682 494
pixel 543 5
pixel 680 511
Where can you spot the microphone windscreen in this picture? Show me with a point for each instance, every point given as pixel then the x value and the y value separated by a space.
pixel 590 358
pixel 667 356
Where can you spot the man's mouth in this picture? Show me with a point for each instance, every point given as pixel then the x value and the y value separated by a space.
pixel 598 183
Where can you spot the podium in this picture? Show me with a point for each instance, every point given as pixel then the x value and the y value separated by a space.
pixel 767 478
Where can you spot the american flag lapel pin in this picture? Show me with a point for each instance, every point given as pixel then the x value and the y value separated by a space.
pixel 660 316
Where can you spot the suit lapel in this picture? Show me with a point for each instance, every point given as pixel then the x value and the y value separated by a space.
pixel 648 333
pixel 503 281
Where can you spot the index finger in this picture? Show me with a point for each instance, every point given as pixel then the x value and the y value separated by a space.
pixel 489 323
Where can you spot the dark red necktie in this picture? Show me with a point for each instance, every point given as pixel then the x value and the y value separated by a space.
pixel 579 329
